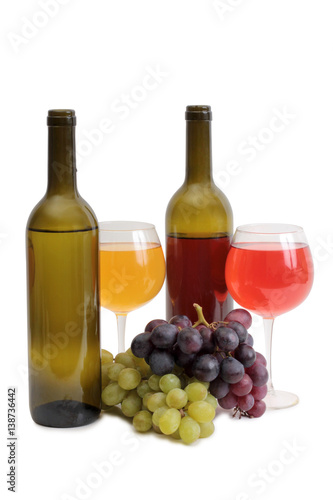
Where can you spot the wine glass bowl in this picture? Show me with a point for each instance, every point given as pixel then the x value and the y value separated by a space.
pixel 132 268
pixel 269 271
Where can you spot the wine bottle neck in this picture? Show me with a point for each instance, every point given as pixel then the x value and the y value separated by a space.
pixel 61 160
pixel 198 152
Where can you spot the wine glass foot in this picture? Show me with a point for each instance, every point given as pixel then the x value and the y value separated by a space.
pixel 276 400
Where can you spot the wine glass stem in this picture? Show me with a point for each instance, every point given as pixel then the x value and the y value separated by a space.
pixel 121 323
pixel 268 331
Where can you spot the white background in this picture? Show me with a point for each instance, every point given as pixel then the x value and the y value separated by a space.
pixel 249 60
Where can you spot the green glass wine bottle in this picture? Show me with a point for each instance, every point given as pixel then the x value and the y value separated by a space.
pixel 199 225
pixel 63 288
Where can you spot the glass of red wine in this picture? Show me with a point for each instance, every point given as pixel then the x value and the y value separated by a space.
pixel 269 270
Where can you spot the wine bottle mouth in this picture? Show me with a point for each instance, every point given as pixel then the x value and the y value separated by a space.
pixel 198 112
pixel 61 117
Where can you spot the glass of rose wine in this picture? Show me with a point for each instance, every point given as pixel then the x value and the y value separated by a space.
pixel 132 268
pixel 269 270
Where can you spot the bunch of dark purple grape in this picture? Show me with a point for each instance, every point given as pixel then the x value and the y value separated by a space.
pixel 220 353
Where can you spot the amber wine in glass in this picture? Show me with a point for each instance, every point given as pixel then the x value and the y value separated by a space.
pixel 132 268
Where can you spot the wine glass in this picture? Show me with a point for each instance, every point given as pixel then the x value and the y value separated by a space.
pixel 269 270
pixel 132 268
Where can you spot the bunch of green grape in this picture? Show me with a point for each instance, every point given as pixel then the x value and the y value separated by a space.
pixel 173 404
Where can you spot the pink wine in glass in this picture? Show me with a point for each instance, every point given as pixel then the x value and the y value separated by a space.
pixel 269 278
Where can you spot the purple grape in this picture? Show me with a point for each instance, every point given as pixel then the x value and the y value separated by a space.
pixel 206 368
pixel 155 322
pixel 181 359
pixel 180 321
pixel 219 356
pixel 246 355
pixel 246 402
pixel 161 362
pixel 141 345
pixel 239 329
pixel 164 336
pixel 261 359
pixel 198 327
pixel 241 315
pixel 259 392
pixel 189 340
pixel 231 370
pixel 250 340
pixel 258 409
pixel 208 345
pixel 243 387
pixel 229 401
pixel 226 338
pixel 218 388
pixel 258 374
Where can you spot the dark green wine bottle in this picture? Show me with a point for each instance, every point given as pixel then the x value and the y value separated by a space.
pixel 198 230
pixel 63 288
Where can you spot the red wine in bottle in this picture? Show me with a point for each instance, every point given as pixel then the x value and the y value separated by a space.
pixel 198 230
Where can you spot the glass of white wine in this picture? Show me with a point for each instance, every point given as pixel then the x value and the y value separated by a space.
pixel 132 268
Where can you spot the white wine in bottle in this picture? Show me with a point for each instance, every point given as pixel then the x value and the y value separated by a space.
pixel 63 288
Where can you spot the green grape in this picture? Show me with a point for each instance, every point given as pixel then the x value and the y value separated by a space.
pixel 183 380
pixel 145 399
pixel 106 357
pixel 169 421
pixel 154 382
pixel 157 429
pixel 114 371
pixel 201 411
pixel 196 391
pixel 140 364
pixel 143 388
pixel 144 368
pixel 142 421
pixel 105 376
pixel 168 382
pixel 193 380
pixel 177 370
pixel 113 394
pixel 105 407
pixel 125 359
pixel 176 398
pixel 211 400
pixel 131 404
pixel 156 401
pixel 129 378
pixel 158 413
pixel 189 430
pixel 176 435
pixel 206 429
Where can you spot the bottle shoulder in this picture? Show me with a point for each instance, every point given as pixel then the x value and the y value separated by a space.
pixel 62 213
pixel 201 208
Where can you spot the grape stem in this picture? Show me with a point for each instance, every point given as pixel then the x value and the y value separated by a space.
pixel 202 320
pixel 216 324
pixel 241 413
pixel 201 317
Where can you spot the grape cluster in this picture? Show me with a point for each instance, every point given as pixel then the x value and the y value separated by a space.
pixel 220 353
pixel 172 404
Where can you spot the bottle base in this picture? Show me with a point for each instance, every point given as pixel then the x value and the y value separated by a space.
pixel 65 413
